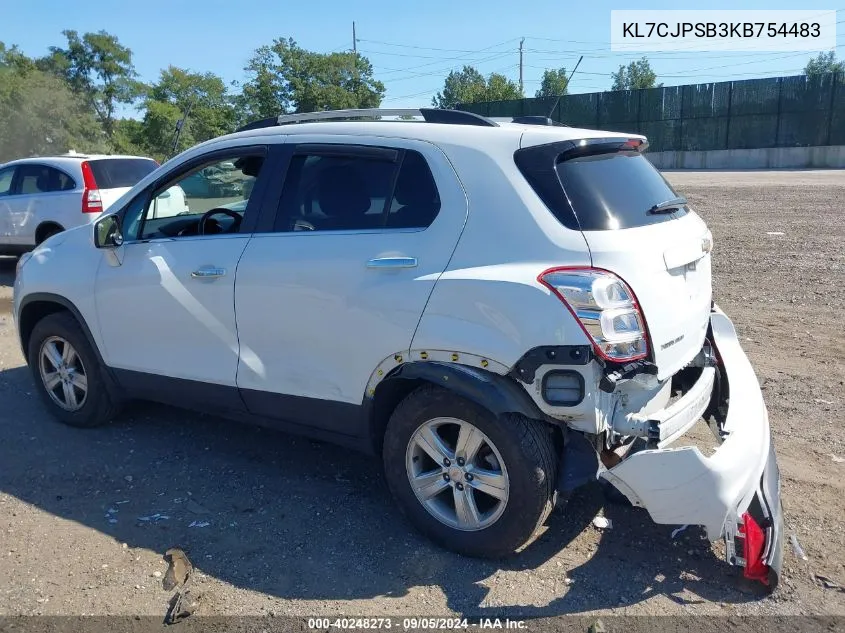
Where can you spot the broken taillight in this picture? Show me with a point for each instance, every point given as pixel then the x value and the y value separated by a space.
pixel 753 546
pixel 605 307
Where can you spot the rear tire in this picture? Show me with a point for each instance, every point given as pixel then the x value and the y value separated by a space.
pixel 67 373
pixel 513 451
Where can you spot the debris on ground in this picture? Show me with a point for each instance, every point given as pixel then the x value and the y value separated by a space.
pixel 196 508
pixel 677 531
pixel 182 604
pixel 199 524
pixel 154 517
pixel 820 401
pixel 796 547
pixel 597 627
pixel 185 601
pixel 774 232
pixel 179 569
pixel 603 523
pixel 837 459
pixel 827 583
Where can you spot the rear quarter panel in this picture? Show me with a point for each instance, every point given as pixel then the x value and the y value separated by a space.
pixel 488 301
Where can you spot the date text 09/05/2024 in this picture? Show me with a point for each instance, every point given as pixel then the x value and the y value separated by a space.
pixel 412 624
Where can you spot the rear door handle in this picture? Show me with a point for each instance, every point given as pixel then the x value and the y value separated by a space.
pixel 208 272
pixel 392 262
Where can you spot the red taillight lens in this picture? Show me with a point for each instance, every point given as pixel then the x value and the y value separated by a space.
pixel 92 202
pixel 606 309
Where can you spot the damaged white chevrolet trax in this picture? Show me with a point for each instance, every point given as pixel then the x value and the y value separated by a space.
pixel 503 310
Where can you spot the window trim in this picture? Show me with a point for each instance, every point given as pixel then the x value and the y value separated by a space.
pixel 14 190
pixel 167 179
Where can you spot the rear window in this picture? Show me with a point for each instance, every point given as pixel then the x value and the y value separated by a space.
pixel 615 191
pixel 114 173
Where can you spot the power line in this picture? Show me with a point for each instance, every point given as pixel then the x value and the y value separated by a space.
pixel 460 57
pixel 440 71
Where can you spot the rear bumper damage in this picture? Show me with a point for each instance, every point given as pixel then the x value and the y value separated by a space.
pixel 735 492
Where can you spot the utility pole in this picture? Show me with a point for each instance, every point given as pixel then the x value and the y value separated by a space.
pixel 354 41
pixel 521 42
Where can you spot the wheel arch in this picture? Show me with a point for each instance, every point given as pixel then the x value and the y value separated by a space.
pixel 500 395
pixel 45 226
pixel 39 305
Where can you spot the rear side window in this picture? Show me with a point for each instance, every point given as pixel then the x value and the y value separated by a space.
pixel 335 192
pixel 42 179
pixel 614 191
pixel 115 173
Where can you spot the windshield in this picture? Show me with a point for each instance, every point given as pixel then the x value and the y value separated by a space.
pixel 615 191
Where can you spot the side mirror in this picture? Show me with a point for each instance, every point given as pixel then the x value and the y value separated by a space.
pixel 107 233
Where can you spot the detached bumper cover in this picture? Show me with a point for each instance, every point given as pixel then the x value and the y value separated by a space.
pixel 681 486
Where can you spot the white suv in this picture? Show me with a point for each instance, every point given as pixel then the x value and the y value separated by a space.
pixel 40 197
pixel 502 311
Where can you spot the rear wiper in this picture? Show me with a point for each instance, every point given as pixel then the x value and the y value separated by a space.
pixel 668 206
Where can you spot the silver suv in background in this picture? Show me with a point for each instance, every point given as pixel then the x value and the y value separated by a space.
pixel 42 196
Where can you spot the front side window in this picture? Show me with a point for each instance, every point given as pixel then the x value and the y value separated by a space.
pixel 331 192
pixel 209 199
pixel 6 176
pixel 42 179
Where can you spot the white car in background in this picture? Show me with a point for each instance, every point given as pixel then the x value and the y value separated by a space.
pixel 42 196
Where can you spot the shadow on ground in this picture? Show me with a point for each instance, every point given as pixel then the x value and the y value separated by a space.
pixel 300 520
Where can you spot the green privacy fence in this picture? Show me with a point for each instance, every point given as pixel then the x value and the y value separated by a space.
pixel 796 111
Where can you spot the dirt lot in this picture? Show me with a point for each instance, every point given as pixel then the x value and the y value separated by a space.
pixel 296 527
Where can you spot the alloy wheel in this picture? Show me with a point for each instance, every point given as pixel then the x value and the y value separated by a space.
pixel 457 473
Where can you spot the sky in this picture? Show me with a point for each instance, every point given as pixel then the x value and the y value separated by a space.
pixel 412 46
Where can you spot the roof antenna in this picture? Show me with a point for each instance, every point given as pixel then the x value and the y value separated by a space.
pixel 565 86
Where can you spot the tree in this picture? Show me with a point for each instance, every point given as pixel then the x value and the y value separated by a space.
pixel 40 115
pixel 200 99
pixel 15 59
pixel 635 76
pixel 500 88
pixel 285 77
pixel 265 93
pixel 824 63
pixel 469 86
pixel 554 84
pixel 98 67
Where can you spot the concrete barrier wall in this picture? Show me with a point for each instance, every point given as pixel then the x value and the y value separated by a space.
pixel 831 156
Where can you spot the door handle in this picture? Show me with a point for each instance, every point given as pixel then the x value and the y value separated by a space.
pixel 392 262
pixel 208 273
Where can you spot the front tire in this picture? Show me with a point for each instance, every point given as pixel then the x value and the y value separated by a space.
pixel 68 375
pixel 475 483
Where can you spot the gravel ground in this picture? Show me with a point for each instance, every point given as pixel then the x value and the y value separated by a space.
pixel 296 527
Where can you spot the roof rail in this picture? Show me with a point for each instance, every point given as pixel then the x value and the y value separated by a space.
pixel 429 115
pixel 530 120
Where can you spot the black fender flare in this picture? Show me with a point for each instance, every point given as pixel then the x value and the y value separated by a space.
pixel 498 394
